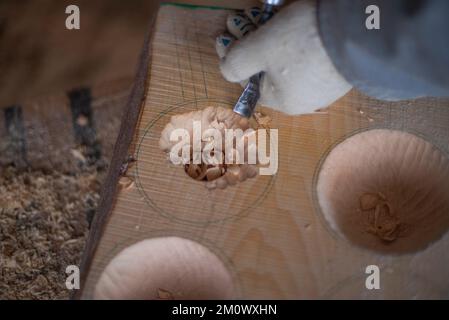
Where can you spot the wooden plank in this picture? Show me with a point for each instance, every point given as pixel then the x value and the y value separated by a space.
pixel 268 231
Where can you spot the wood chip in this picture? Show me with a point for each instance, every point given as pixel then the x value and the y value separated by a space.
pixel 369 201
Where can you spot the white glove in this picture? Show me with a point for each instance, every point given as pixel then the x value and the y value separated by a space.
pixel 299 75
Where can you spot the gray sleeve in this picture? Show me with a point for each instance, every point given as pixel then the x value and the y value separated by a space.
pixel 408 57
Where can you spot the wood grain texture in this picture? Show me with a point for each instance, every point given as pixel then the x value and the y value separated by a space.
pixel 268 231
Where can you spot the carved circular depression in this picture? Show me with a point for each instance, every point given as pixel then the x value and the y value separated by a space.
pixel 385 190
pixel 172 193
pixel 165 268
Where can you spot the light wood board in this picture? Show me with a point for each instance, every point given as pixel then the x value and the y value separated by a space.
pixel 268 231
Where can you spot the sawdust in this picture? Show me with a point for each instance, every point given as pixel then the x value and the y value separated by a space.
pixel 43 228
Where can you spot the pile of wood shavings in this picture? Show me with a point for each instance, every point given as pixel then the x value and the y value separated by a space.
pixel 43 229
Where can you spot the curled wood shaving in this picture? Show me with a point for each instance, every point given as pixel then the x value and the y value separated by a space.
pixel 369 201
pixel 382 220
pixel 126 183
pixel 205 172
pixel 163 294
pixel 262 120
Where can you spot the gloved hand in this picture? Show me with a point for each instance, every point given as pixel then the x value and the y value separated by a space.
pixel 299 75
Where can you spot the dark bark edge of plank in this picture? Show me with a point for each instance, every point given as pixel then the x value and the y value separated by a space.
pixel 124 139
